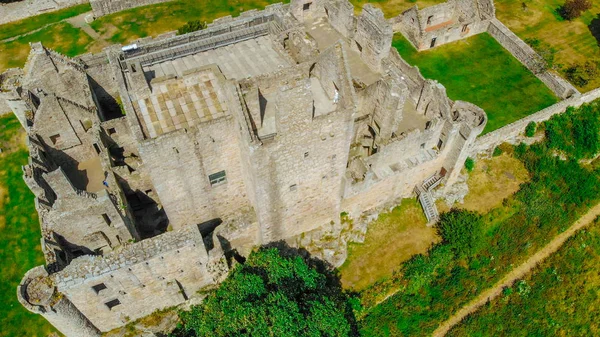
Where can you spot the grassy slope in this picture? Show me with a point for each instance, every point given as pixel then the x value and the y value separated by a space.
pixel 573 40
pixel 480 71
pixel 403 233
pixel 563 297
pixel 558 193
pixel 23 26
pixel 19 235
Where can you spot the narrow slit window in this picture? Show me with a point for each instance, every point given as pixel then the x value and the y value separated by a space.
pixel 106 219
pixel 306 6
pixel 217 178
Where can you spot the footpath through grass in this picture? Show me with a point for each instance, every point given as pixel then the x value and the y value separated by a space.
pixel 477 250
pixel 19 235
pixel 480 71
pixel 561 297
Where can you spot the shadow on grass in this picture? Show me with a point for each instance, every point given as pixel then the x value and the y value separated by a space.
pixel 594 28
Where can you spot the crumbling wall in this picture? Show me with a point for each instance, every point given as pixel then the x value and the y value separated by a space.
pixel 373 37
pixel 105 7
pixel 340 14
pixel 143 277
pixel 511 133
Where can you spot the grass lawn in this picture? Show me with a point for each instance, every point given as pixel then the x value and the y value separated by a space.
pixel 392 8
pixel 23 26
pixel 573 41
pixel 62 37
pixel 560 298
pixel 19 234
pixel 126 26
pixel 480 71
pixel 392 239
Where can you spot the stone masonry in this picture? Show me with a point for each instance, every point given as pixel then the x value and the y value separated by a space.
pixel 152 166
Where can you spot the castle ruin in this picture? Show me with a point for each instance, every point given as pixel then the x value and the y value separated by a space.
pixel 152 165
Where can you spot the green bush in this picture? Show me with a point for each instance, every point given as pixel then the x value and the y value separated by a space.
pixel 469 164
pixel 191 26
pixel 575 132
pixel 497 151
pixel 274 294
pixel 478 250
pixel 530 129
pixel 462 231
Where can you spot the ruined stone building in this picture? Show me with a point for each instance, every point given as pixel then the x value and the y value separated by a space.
pixel 445 22
pixel 151 165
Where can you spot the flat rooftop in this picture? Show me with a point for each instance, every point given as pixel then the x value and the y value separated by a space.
pixel 236 61
pixel 181 102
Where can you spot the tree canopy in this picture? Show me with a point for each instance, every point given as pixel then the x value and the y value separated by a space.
pixel 274 294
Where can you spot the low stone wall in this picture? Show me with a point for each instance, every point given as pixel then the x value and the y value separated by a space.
pixel 530 59
pixel 105 7
pixel 512 132
pixel 23 9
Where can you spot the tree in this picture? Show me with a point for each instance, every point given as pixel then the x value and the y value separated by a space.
pixel 469 164
pixel 573 9
pixel 581 74
pixel 462 231
pixel 191 26
pixel 274 293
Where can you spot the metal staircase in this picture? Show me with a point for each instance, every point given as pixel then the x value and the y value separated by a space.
pixel 423 192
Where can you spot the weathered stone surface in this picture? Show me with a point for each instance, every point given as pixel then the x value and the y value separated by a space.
pixel 261 128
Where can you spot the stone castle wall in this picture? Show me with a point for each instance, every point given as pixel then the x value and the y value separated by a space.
pixel 512 132
pixel 105 7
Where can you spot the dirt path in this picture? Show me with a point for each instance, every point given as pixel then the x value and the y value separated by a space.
pixel 518 272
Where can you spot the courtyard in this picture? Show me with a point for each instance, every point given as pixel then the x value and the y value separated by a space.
pixel 480 71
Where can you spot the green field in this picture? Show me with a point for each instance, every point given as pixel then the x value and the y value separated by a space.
pixel 428 288
pixel 19 234
pixel 480 71
pixel 573 41
pixel 62 37
pixel 24 26
pixel 560 298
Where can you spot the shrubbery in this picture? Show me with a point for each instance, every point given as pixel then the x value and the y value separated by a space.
pixel 530 129
pixel 477 250
pixel 469 164
pixel 573 9
pixel 191 26
pixel 581 74
pixel 274 294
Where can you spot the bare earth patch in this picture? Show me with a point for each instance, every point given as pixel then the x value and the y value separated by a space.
pixel 492 181
pixel 391 239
